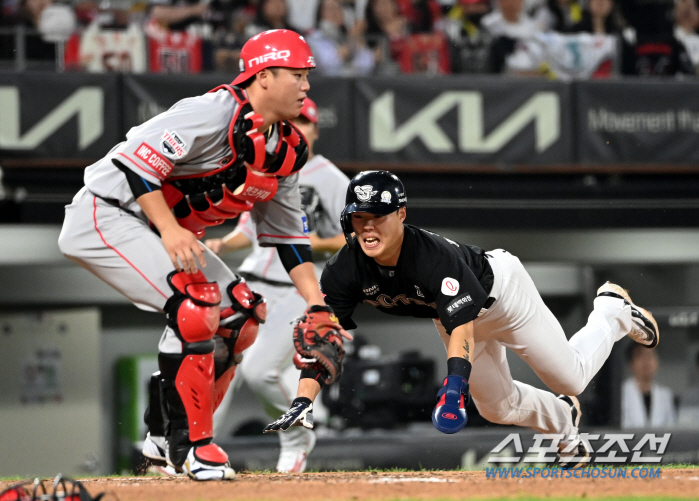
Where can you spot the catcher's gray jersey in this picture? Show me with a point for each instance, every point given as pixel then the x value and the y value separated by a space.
pixel 190 139
pixel 325 186
pixel 105 229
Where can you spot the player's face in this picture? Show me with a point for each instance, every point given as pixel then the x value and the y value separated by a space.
pixel 287 91
pixel 380 237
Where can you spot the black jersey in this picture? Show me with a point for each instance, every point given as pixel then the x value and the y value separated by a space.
pixel 434 278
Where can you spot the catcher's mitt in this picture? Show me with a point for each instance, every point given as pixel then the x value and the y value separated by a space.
pixel 318 341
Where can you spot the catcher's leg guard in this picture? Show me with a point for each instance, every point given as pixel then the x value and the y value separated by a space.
pixel 238 328
pixel 187 378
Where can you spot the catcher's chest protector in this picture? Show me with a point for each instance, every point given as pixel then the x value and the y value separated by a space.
pixel 248 176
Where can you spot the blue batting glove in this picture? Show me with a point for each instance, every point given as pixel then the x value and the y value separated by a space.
pixel 449 416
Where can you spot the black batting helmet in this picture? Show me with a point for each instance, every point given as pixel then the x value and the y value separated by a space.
pixel 373 191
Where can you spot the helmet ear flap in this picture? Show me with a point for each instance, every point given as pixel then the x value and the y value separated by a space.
pixel 346 223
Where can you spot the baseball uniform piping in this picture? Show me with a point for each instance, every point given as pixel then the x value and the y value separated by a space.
pixel 94 216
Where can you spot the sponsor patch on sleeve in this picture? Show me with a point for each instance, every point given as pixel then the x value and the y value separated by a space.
pixel 458 304
pixel 305 224
pixel 450 286
pixel 153 159
pixel 172 145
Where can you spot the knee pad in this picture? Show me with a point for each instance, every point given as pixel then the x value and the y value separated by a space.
pixel 193 310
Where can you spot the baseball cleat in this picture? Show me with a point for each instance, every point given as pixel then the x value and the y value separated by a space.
pixel 164 471
pixel 155 449
pixel 574 453
pixel 208 462
pixel 645 328
pixel 293 458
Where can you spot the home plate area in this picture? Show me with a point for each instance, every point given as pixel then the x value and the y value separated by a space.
pixel 359 486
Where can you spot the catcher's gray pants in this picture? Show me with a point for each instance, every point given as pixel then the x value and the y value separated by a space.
pixel 519 320
pixel 122 250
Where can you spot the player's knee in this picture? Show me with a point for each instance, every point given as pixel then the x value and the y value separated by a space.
pixel 567 385
pixel 193 310
pixel 501 413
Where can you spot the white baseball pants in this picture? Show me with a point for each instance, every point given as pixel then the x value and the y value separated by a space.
pixel 519 320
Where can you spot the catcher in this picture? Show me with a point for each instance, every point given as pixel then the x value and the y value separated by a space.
pixel 480 302
pixel 136 225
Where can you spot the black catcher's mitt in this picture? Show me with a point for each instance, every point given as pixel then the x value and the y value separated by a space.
pixel 318 341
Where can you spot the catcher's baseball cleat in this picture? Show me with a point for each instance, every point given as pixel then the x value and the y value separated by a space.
pixel 449 416
pixel 164 471
pixel 573 453
pixel 155 449
pixel 208 462
pixel 645 328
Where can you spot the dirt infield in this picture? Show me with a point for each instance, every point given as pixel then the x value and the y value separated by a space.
pixel 383 486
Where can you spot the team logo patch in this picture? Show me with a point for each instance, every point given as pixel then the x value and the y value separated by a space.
pixel 172 145
pixel 364 193
pixel 450 286
pixel 305 224
pixel 386 197
pixel 458 304
pixel 153 159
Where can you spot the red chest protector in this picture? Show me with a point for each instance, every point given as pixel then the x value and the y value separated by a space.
pixel 250 176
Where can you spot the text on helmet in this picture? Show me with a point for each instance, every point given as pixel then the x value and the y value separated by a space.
pixel 270 56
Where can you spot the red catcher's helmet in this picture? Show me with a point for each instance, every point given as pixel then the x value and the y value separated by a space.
pixel 309 111
pixel 283 48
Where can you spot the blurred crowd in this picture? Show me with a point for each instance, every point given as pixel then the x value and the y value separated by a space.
pixel 555 38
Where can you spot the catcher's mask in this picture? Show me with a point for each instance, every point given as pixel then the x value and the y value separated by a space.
pixel 375 192
pixel 59 489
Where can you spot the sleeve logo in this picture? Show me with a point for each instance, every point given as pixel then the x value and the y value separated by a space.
pixel 172 145
pixel 364 193
pixel 450 286
pixel 459 303
pixel 153 159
